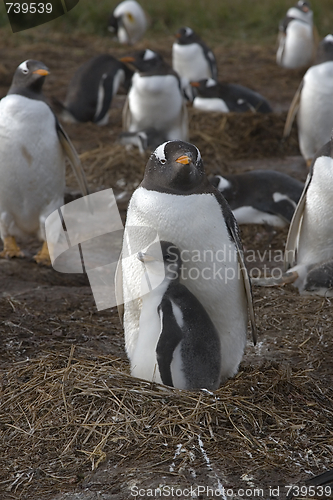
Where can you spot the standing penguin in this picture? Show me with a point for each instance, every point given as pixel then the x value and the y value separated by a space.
pixel 177 344
pixel 260 196
pixel 191 57
pixel 177 200
pixel 309 247
pixel 90 92
pixel 155 100
pixel 128 21
pixel 313 104
pixel 297 38
pixel 33 148
pixel 224 97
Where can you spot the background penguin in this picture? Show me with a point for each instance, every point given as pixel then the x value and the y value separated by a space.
pixel 309 247
pixel 33 148
pixel 297 39
pixel 313 105
pixel 260 196
pixel 147 139
pixel 155 99
pixel 325 50
pixel 177 344
pixel 92 87
pixel 216 96
pixel 191 57
pixel 177 200
pixel 128 21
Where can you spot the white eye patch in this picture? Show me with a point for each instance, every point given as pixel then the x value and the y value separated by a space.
pixel 188 31
pixel 24 67
pixel 328 38
pixel 210 83
pixel 160 153
pixel 149 54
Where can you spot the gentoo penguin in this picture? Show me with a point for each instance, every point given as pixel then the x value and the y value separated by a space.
pixel 176 200
pixel 325 50
pixel 92 87
pixel 33 148
pixel 260 196
pixel 313 104
pixel 128 21
pixel 191 57
pixel 147 139
pixel 309 247
pixel 155 99
pixel 217 96
pixel 297 39
pixel 177 343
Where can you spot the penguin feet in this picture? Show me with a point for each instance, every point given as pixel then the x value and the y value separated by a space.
pixel 43 257
pixel 10 248
pixel 284 279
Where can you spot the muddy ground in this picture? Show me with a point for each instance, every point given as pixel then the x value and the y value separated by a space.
pixel 44 314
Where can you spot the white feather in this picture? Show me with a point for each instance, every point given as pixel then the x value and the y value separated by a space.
pixel 190 62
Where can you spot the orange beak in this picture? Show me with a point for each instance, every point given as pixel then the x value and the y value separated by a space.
pixel 41 72
pixel 195 84
pixel 184 160
pixel 127 59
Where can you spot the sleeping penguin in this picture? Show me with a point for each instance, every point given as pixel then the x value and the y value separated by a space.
pixel 90 92
pixel 33 149
pixel 297 37
pixel 177 344
pixel 211 95
pixel 128 21
pixel 260 196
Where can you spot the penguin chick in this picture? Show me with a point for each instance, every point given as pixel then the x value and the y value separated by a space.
pixel 90 92
pixel 128 21
pixel 155 99
pixel 191 58
pixel 260 196
pixel 297 38
pixel 33 148
pixel 217 96
pixel 177 341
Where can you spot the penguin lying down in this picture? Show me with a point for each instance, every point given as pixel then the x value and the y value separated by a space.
pixel 260 196
pixel 176 334
pixel 309 246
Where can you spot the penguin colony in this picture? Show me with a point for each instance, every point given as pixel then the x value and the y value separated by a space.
pixel 186 331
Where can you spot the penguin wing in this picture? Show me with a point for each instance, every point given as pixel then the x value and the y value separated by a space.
pixel 295 228
pixel 118 287
pixel 73 158
pixel 233 229
pixel 127 117
pixel 294 107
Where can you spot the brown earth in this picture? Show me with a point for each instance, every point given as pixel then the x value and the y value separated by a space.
pixel 73 423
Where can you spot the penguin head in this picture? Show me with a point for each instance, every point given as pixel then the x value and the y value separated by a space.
pixel 303 6
pixel 162 252
pixel 143 61
pixel 29 78
pixel 325 50
pixel 186 36
pixel 175 167
pixel 301 11
pixel 206 87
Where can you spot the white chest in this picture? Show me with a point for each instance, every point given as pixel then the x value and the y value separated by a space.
pixel 190 62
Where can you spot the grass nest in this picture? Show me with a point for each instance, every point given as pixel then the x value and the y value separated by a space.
pixel 63 415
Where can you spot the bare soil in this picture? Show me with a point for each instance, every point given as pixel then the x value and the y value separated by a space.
pixel 269 427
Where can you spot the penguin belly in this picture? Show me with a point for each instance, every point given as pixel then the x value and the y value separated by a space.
pixel 189 61
pixel 296 47
pixel 316 238
pixel 315 115
pixel 210 104
pixel 205 246
pixel 251 215
pixel 32 166
pixel 156 102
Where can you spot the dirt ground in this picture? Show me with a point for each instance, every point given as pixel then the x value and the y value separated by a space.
pixel 269 427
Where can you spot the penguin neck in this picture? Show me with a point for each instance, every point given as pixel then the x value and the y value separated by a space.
pixel 34 91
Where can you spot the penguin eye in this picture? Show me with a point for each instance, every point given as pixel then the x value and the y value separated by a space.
pixel 163 161
pixel 25 71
